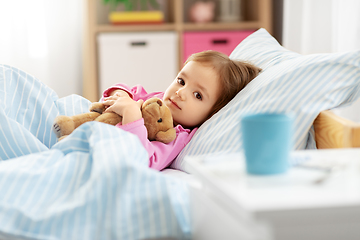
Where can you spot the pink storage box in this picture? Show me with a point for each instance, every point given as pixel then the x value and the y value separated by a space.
pixel 224 41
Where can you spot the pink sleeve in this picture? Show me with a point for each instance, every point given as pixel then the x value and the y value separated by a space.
pixel 160 154
pixel 137 92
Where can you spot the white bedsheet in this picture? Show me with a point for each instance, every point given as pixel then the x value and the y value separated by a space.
pixel 94 184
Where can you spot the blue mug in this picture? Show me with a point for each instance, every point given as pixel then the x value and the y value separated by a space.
pixel 267 142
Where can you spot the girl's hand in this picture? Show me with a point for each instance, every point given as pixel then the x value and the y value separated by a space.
pixel 119 93
pixel 126 107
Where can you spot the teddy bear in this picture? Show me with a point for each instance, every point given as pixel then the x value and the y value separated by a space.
pixel 157 120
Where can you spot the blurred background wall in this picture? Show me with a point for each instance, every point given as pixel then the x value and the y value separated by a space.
pixel 43 38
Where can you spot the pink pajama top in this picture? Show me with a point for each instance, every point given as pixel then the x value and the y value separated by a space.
pixel 160 154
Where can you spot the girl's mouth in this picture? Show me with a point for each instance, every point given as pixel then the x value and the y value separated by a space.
pixel 174 103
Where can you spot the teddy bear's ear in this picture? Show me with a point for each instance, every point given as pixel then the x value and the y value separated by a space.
pixel 167 136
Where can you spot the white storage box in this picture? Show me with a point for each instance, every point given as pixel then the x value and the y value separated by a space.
pixel 146 58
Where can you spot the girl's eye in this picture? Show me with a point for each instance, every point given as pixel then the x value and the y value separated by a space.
pixel 197 95
pixel 181 81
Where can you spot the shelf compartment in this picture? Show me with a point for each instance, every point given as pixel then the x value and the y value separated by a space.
pixel 222 41
pixel 146 58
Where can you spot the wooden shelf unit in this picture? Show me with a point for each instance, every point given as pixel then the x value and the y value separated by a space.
pixel 256 14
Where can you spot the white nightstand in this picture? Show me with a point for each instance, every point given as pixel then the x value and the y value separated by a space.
pixel 293 204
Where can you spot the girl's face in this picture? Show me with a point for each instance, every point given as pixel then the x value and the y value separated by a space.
pixel 192 95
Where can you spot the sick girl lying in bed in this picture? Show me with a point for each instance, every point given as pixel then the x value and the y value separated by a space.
pixel 206 83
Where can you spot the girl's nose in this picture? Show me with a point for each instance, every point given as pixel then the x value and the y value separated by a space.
pixel 181 93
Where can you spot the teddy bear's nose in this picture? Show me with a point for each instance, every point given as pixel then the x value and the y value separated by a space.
pixel 159 102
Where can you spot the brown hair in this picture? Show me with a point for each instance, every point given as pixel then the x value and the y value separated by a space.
pixel 234 75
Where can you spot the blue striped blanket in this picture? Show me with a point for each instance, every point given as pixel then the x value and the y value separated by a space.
pixel 95 184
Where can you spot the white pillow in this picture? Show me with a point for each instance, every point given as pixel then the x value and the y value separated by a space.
pixel 303 85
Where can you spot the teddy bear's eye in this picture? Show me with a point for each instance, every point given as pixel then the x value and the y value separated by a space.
pixel 160 120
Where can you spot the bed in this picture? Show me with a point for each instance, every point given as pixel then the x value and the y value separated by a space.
pixel 95 184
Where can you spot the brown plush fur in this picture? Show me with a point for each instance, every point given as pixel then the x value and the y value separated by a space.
pixel 157 118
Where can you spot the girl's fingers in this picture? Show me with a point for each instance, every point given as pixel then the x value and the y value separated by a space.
pixel 121 104
pixel 140 103
pixel 115 97
pixel 108 102
pixel 109 109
